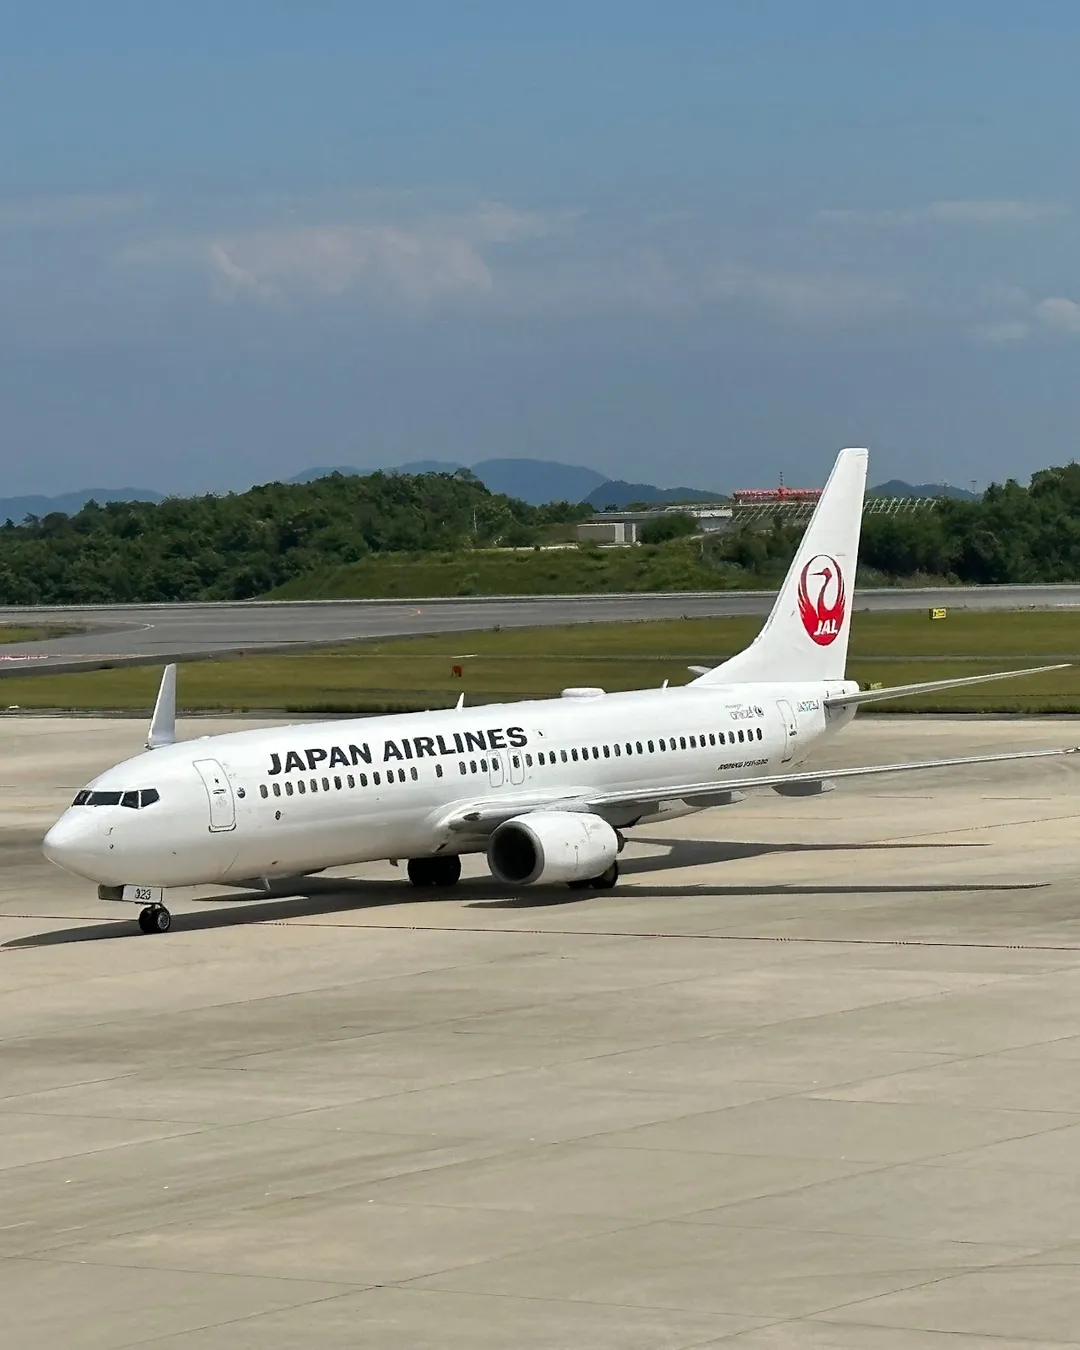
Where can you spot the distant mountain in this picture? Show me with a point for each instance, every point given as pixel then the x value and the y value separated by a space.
pixel 18 508
pixel 542 480
pixel 896 487
pixel 537 480
pixel 426 466
pixel 617 493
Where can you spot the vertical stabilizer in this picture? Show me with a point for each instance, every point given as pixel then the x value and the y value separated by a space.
pixel 806 635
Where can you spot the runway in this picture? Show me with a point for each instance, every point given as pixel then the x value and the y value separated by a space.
pixel 155 633
pixel 806 1079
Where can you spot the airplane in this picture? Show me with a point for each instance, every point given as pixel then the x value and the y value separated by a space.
pixel 545 788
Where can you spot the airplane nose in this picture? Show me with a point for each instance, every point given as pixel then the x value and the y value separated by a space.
pixel 75 843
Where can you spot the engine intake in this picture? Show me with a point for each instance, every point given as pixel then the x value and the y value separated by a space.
pixel 551 846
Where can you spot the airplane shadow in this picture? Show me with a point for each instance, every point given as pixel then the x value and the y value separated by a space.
pixel 322 896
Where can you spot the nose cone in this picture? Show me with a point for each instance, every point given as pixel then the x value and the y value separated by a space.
pixel 76 844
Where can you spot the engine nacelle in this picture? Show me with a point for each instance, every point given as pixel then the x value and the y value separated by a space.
pixel 551 846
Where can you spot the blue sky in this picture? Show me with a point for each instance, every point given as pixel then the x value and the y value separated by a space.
pixel 700 242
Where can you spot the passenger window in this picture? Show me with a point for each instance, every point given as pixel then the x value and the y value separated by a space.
pixel 472 765
pixel 517 761
pixel 759 733
pixel 376 779
pixel 363 780
pixel 693 743
pixel 483 766
pixel 314 785
pixel 663 745
pixel 413 772
pixel 438 770
pixel 461 766
pixel 740 735
pixel 288 789
pixel 301 786
pixel 337 782
pixel 637 747
pixel 712 737
pixel 277 789
pixel 596 752
pixel 326 784
pixel 563 754
pixel 682 742
pixel 650 745
pixel 618 750
pixel 528 761
pixel 573 755
pixel 264 791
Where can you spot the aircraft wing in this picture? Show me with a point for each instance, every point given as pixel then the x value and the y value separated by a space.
pixel 931 686
pixel 482 816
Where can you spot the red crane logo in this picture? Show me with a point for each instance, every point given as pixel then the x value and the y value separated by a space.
pixel 822 617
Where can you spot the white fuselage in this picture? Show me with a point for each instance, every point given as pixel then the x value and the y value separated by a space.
pixel 292 800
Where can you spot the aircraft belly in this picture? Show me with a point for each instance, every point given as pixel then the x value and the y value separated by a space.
pixel 291 846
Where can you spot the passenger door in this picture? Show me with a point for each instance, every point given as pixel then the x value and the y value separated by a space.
pixel 791 729
pixel 219 795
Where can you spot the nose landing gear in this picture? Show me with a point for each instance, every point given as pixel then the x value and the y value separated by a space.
pixel 155 919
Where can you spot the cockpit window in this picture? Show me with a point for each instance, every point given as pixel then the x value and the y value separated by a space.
pixel 134 799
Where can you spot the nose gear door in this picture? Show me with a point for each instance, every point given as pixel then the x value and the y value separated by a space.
pixel 219 795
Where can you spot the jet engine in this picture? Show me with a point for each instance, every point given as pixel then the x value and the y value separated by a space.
pixel 552 846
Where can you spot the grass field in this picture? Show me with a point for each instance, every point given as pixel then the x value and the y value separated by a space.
pixel 675 566
pixel 10 632
pixel 522 663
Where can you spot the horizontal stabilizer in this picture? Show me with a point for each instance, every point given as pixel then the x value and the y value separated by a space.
pixel 932 686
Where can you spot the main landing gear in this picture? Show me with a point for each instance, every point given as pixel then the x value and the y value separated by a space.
pixel 441 871
pixel 155 919
pixel 604 882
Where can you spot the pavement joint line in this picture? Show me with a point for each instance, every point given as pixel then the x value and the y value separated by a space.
pixel 617 933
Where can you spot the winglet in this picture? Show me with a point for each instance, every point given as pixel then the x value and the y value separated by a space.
pixel 461 701
pixel 163 723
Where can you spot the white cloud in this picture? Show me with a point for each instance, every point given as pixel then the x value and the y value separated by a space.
pixel 978 213
pixel 807 297
pixel 381 247
pixel 414 266
pixel 1059 313
pixel 1001 332
pixel 67 213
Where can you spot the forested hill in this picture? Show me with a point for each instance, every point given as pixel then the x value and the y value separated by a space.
pixel 328 537
pixel 1009 535
pixel 244 544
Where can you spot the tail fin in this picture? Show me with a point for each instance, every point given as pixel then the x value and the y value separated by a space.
pixel 806 635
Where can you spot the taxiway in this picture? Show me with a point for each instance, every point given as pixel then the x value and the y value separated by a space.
pixel 147 634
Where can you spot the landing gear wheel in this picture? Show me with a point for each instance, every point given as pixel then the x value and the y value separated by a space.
pixel 582 884
pixel 155 919
pixel 606 880
pixel 444 870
